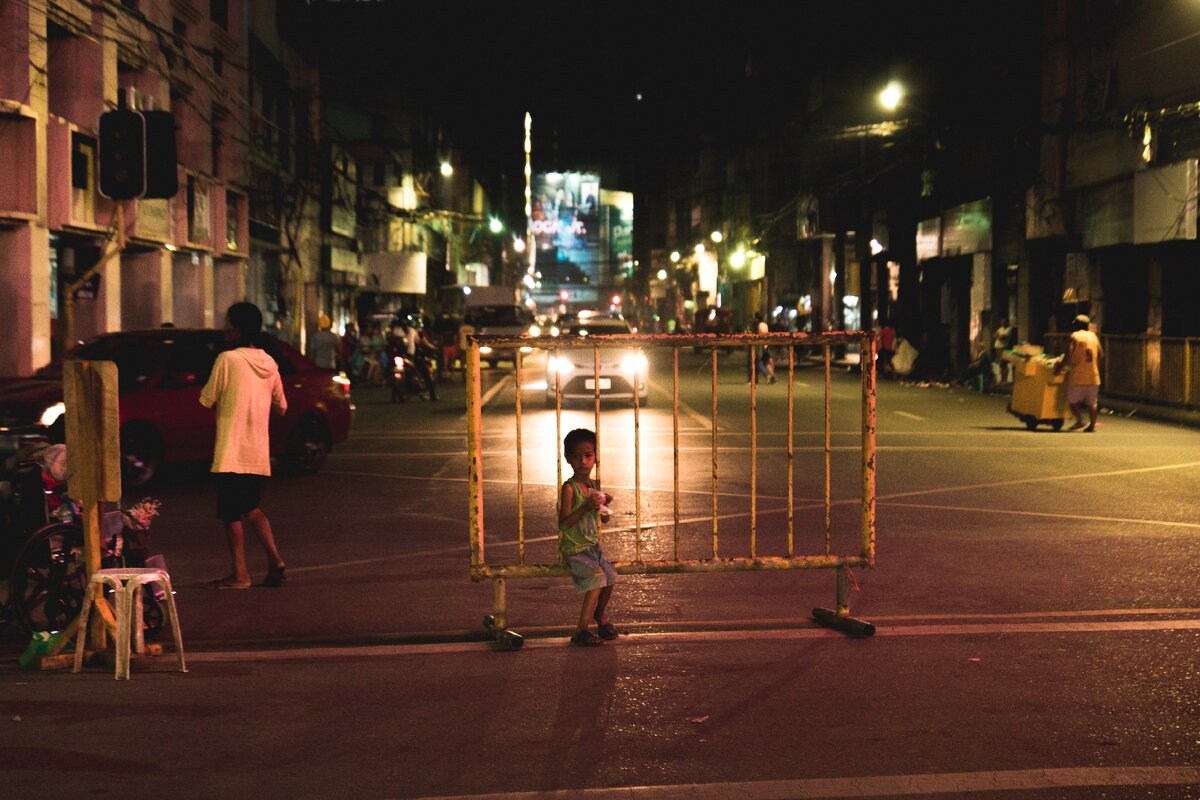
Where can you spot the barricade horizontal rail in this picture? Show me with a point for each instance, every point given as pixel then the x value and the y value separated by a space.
pixel 634 386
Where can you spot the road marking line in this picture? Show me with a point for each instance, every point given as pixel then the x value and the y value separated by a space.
pixel 1039 479
pixel 492 392
pixel 944 783
pixel 909 416
pixel 704 422
pixel 1072 517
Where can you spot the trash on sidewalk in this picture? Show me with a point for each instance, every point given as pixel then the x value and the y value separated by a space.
pixel 39 645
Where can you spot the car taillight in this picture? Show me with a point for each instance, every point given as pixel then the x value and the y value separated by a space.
pixel 341 378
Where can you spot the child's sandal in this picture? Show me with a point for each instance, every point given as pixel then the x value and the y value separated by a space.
pixel 586 639
pixel 607 631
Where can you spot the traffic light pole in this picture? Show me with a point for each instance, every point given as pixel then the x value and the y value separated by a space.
pixel 110 252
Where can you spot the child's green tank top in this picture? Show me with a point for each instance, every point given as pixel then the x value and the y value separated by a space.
pixel 585 533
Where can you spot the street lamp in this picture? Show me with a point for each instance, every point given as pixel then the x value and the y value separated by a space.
pixel 675 256
pixel 891 95
pixel 738 259
pixel 700 249
pixel 495 225
pixel 447 169
pixel 716 236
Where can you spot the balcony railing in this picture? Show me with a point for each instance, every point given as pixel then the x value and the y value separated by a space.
pixel 1162 370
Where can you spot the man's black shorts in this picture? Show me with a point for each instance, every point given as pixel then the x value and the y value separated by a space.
pixel 237 495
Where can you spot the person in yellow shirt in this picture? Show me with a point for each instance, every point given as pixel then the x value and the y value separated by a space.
pixel 1083 378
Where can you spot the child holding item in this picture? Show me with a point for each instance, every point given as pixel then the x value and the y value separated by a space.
pixel 582 504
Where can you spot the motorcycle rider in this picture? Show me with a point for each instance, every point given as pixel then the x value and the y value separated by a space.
pixel 413 341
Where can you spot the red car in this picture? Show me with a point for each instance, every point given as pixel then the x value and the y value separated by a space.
pixel 161 373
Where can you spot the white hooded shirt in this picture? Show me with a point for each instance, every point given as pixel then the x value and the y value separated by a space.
pixel 244 385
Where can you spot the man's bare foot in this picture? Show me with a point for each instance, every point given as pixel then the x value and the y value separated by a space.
pixel 1076 426
pixel 230 582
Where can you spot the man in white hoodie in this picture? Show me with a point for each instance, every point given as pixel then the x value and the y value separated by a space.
pixel 244 387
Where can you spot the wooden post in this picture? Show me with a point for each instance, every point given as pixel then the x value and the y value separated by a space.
pixel 93 463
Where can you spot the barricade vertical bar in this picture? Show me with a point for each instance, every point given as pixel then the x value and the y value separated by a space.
pixel 868 448
pixel 753 450
pixel 637 462
pixel 558 437
pixel 675 431
pixel 520 466
pixel 1187 372
pixel 474 455
pixel 714 451
pixel 791 448
pixel 828 450
pixel 596 390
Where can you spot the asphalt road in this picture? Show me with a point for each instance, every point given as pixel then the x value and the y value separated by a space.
pixel 1036 598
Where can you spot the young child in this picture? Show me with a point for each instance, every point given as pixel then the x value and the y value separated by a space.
pixel 579 538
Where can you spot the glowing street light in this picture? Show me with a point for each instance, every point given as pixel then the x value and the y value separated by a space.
pixel 495 225
pixel 700 249
pixel 518 245
pixel 716 236
pixel 447 170
pixel 662 274
pixel 738 259
pixel 891 96
pixel 675 256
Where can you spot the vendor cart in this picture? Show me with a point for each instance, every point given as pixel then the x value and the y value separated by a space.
pixel 1038 395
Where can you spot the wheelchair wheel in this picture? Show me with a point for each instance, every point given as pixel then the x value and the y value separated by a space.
pixel 47 584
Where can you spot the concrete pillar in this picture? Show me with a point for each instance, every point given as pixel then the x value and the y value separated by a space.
pixel 24 299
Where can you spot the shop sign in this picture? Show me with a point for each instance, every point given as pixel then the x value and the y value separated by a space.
pixel 967 228
pixel 154 219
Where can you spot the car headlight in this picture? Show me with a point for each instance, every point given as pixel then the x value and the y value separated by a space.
pixel 51 414
pixel 636 361
pixel 560 365
pixel 534 330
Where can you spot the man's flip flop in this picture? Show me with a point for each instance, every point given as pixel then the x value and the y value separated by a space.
pixel 223 583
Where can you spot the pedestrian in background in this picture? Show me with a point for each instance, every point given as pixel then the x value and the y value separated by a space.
pixel 1001 341
pixel 1083 376
pixel 325 344
pixel 581 505
pixel 887 348
pixel 244 387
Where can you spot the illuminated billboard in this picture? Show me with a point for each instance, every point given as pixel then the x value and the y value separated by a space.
pixel 565 224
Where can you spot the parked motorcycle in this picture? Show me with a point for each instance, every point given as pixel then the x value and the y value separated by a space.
pixel 41 543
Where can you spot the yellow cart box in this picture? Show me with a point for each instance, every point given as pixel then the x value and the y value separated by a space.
pixel 1039 393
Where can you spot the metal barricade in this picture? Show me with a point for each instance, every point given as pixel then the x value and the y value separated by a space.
pixel 640 564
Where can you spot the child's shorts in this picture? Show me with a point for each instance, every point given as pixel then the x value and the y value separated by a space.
pixel 590 570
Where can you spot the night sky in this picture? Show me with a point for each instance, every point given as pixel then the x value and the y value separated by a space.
pixel 726 69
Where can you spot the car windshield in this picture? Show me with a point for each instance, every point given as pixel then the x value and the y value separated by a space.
pixel 597 326
pixel 500 315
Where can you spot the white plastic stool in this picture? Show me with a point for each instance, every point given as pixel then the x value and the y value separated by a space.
pixel 127 585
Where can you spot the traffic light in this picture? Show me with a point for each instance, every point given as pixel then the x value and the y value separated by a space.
pixel 162 178
pixel 122 154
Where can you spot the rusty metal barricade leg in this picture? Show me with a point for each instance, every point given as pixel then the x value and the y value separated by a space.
pixel 497 621
pixel 840 618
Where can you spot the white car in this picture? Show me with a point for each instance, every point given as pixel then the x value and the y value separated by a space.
pixel 620 368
